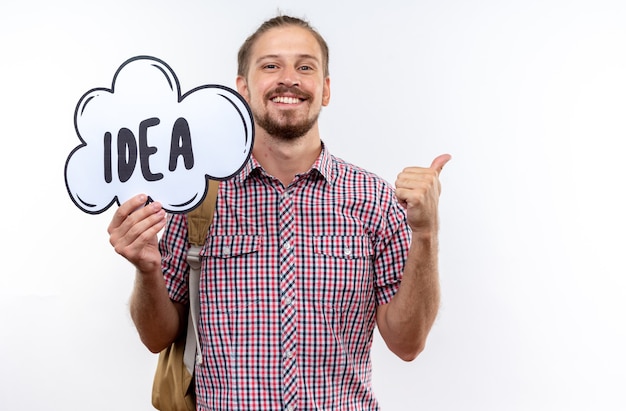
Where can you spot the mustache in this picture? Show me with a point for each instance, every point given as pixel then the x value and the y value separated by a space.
pixel 294 91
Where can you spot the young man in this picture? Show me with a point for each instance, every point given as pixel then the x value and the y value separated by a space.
pixel 305 256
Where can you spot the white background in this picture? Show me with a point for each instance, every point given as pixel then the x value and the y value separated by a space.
pixel 528 96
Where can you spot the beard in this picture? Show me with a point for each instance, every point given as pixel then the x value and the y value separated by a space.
pixel 288 129
pixel 287 126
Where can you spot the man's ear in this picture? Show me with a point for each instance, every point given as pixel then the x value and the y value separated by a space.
pixel 242 88
pixel 326 92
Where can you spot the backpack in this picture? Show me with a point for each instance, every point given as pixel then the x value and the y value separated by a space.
pixel 173 388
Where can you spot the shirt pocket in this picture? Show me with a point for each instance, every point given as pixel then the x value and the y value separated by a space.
pixel 229 271
pixel 341 270
pixel 343 246
pixel 230 246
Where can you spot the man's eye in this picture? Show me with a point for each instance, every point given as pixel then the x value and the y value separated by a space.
pixel 306 68
pixel 270 66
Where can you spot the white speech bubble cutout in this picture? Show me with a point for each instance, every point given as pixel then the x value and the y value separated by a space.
pixel 143 136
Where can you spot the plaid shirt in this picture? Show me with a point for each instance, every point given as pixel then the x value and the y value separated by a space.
pixel 290 281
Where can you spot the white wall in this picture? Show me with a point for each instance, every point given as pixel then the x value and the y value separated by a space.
pixel 528 97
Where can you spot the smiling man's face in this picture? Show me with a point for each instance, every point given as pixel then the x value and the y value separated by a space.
pixel 285 85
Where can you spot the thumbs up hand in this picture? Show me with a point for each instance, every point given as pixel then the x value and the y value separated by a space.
pixel 417 190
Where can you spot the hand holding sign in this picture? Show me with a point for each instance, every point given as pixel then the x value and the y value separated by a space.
pixel 143 136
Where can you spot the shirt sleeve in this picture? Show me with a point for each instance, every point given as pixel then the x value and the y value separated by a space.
pixel 173 248
pixel 391 247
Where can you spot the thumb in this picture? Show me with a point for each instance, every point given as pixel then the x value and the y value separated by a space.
pixel 439 162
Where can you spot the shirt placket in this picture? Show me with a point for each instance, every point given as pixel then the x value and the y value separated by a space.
pixel 288 315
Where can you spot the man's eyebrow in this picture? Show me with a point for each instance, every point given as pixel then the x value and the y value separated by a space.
pixel 277 56
pixel 308 56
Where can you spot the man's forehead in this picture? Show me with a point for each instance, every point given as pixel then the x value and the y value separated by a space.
pixel 287 40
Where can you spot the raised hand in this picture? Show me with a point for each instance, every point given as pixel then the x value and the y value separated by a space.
pixel 418 190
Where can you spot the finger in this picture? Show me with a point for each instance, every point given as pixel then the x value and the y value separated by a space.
pixel 133 204
pixel 439 162
pixel 126 209
pixel 402 195
pixel 137 228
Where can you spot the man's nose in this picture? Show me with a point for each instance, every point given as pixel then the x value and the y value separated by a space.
pixel 289 77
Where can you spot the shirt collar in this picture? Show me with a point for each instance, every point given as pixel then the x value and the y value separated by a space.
pixel 323 165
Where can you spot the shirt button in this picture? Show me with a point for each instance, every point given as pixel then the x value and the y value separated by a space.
pixel 226 251
pixel 291 408
pixel 347 252
pixel 288 301
pixel 286 246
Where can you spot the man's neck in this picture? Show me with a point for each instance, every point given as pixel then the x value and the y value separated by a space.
pixel 284 159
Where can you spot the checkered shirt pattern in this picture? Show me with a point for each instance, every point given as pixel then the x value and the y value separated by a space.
pixel 290 281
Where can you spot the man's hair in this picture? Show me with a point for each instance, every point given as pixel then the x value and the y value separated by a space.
pixel 243 57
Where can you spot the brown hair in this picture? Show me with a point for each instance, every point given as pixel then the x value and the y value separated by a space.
pixel 243 57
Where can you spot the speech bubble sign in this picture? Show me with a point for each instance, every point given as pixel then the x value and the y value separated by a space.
pixel 143 136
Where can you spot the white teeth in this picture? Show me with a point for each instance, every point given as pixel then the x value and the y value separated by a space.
pixel 286 100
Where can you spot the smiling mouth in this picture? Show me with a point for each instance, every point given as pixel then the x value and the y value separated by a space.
pixel 286 100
